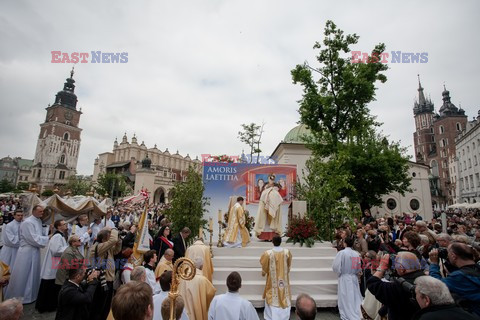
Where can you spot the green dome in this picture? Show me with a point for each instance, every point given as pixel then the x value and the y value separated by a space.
pixel 297 134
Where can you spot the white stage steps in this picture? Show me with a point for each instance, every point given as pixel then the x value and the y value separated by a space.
pixel 311 271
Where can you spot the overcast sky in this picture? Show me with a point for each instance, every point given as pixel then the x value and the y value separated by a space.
pixel 199 69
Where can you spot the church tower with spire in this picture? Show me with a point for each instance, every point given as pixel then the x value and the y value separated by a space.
pixel 424 138
pixel 434 141
pixel 58 143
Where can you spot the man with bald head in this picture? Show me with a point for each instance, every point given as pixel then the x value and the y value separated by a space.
pixel 463 283
pixel 165 263
pixel 305 307
pixel 393 294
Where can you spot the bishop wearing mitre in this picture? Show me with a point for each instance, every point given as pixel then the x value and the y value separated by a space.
pixel 236 235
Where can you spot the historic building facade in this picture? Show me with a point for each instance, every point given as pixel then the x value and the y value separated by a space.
pixel 434 141
pixel 465 164
pixel 145 168
pixel 15 170
pixel 292 150
pixel 58 143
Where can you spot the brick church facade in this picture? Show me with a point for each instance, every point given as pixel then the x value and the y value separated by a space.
pixel 434 141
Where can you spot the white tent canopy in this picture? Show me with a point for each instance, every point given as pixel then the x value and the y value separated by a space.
pixel 69 209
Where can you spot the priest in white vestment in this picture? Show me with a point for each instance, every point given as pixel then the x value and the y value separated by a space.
pixel 236 234
pixel 230 306
pixel 165 280
pixel 276 265
pixel 46 301
pixel 25 278
pixel 82 230
pixel 11 239
pixel 347 265
pixel 268 221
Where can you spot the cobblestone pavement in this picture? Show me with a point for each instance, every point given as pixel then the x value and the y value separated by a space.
pixel 30 313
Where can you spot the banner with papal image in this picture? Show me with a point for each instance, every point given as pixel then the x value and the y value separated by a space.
pixel 225 181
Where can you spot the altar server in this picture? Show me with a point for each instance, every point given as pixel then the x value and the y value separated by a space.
pixel 347 265
pixel 48 293
pixel 11 239
pixel 230 306
pixel 25 278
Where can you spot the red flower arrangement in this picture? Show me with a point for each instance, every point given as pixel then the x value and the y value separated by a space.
pixel 302 230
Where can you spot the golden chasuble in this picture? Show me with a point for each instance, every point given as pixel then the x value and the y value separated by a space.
pixel 276 265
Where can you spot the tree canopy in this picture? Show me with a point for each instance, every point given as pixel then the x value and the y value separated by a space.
pixel 188 203
pixel 352 163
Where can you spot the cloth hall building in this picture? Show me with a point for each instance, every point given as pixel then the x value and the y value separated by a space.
pixel 145 168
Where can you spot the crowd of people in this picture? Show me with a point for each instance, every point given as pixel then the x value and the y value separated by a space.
pixel 88 270
pixel 406 268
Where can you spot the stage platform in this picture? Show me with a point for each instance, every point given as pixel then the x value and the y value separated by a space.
pixel 311 271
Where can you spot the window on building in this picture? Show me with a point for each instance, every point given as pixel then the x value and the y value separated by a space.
pixel 477 179
pixel 66 136
pixel 469 163
pixel 62 159
pixel 475 162
pixel 471 181
pixel 461 183
pixel 391 204
pixel 434 166
pixel 39 172
pixel 61 176
pixel 414 204
pixel 431 130
pixel 433 138
pixel 443 143
pixel 174 176
pixel 441 129
pixel 468 149
pixel 459 126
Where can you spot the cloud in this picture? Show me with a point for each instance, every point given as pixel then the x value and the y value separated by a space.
pixel 197 70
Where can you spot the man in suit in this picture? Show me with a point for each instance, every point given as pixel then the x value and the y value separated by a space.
pixel 400 231
pixel 179 244
pixel 74 301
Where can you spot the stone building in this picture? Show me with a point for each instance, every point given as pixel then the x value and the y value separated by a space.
pixel 292 150
pixel 58 143
pixel 434 141
pixel 15 170
pixel 465 166
pixel 145 168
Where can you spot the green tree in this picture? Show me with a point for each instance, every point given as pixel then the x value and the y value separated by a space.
pixel 22 186
pixel 47 193
pixel 323 192
pixel 251 135
pixel 6 186
pixel 363 165
pixel 78 185
pixel 377 167
pixel 335 106
pixel 112 184
pixel 188 203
